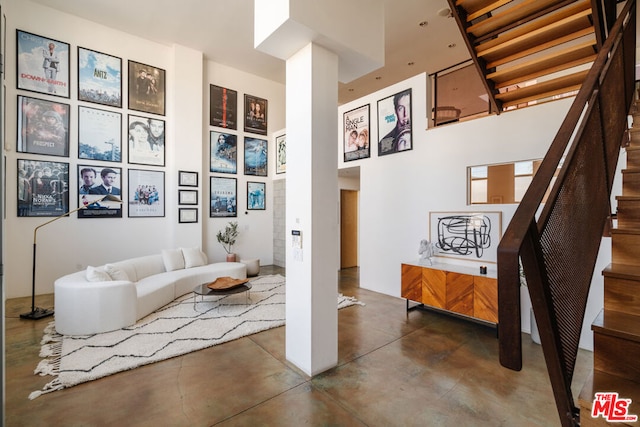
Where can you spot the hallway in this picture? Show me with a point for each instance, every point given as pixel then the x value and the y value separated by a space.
pixel 395 369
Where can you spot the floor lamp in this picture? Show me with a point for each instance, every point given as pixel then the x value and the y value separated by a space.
pixel 37 312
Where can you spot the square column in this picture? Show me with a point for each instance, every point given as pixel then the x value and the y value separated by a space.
pixel 312 209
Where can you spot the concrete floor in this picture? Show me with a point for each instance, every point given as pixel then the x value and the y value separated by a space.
pixel 395 369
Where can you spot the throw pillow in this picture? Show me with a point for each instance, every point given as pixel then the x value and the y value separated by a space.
pixel 193 257
pixel 115 273
pixel 97 274
pixel 173 259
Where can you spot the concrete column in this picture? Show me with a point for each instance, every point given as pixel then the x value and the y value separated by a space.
pixel 312 209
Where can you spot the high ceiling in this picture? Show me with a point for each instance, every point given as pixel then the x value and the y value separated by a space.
pixel 223 31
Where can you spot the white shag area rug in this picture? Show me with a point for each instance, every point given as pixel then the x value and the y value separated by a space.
pixel 172 330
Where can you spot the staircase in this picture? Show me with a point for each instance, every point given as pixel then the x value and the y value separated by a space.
pixel 529 51
pixel 616 330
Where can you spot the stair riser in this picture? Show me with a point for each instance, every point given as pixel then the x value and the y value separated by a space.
pixel 633 159
pixel 628 213
pixel 622 295
pixel 616 356
pixel 624 249
pixel 631 184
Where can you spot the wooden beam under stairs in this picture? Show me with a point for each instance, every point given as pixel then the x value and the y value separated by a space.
pixel 542 90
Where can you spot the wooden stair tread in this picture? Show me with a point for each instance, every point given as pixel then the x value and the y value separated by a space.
pixel 535 73
pixel 581 54
pixel 486 9
pixel 603 382
pixel 630 171
pixel 540 90
pixel 628 198
pixel 539 39
pixel 622 271
pixel 616 324
pixel 624 230
pixel 509 16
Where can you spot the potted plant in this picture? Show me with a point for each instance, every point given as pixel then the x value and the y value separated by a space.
pixel 227 239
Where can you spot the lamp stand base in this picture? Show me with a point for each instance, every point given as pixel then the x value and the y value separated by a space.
pixel 37 313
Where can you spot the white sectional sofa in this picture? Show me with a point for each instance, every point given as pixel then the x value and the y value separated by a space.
pixel 113 296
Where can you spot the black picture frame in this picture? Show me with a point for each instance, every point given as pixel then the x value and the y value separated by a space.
pixel 223 197
pixel 223 152
pixel 99 134
pixel 187 215
pixel 255 114
pixel 146 193
pixel 187 197
pixel 397 132
pixel 43 127
pixel 256 196
pixel 356 133
pixel 146 88
pixel 146 141
pixel 99 77
pixel 90 188
pixel 256 156
pixel 223 107
pixel 38 68
pixel 281 154
pixel 43 188
pixel 187 179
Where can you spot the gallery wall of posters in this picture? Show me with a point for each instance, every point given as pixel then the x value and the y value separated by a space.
pixel 255 156
pixel 224 198
pixel 99 78
pixel 146 88
pixel 146 141
pixel 43 64
pixel 224 152
pixel 146 193
pixel 94 182
pixel 99 134
pixel 394 123
pixel 356 134
pixel 255 115
pixel 43 127
pixel 43 188
pixel 223 110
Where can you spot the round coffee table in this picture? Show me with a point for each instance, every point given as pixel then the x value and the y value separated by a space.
pixel 203 290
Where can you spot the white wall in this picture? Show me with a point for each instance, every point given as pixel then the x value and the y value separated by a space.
pixel 398 191
pixel 71 244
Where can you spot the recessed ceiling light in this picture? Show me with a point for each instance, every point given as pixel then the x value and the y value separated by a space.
pixel 445 12
pixel 452 45
pixel 423 24
pixel 410 63
pixel 378 77
pixel 350 89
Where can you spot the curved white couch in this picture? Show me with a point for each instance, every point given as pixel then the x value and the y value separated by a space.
pixel 130 290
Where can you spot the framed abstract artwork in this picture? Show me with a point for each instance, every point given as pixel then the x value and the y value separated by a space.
pixel 43 64
pixel 99 78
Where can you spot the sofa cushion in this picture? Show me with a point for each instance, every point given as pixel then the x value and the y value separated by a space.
pixel 116 273
pixel 172 259
pixel 193 257
pixel 97 274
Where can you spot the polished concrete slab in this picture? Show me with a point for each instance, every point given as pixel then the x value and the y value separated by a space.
pixel 395 369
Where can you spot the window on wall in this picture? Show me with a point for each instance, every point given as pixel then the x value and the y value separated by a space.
pixel 500 183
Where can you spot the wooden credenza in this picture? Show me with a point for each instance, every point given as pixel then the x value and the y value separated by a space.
pixel 457 289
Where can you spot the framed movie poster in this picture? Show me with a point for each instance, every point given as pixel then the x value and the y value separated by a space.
pixel 146 88
pixel 255 156
pixel 281 154
pixel 256 195
pixel 223 197
pixel 472 236
pixel 99 78
pixel 146 193
pixel 43 127
pixel 43 188
pixel 146 141
pixel 394 123
pixel 223 110
pixel 94 183
pixel 43 64
pixel 255 115
pixel 224 152
pixel 356 134
pixel 99 134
